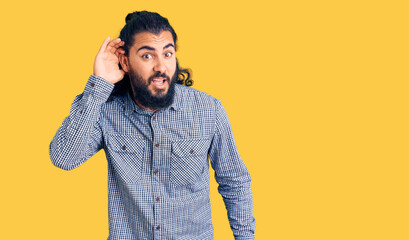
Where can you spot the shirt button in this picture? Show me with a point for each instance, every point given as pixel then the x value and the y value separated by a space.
pixel 157 145
pixel 155 172
pixel 157 228
pixel 154 117
pixel 191 151
pixel 157 199
pixel 92 84
pixel 123 147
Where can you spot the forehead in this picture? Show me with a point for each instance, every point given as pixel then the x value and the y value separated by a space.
pixel 153 40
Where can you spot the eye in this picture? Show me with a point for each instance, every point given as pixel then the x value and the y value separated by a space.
pixel 168 54
pixel 147 56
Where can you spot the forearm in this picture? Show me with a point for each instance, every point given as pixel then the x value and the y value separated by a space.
pixel 79 136
pixel 238 199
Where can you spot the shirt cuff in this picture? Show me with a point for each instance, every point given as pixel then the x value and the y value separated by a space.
pixel 244 238
pixel 99 87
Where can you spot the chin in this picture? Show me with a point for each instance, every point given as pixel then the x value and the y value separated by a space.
pixel 159 92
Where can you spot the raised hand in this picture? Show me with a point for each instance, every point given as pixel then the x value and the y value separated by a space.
pixel 107 59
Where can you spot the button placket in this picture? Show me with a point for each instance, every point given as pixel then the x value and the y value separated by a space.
pixel 156 165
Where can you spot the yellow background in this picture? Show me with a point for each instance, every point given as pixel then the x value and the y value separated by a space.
pixel 316 91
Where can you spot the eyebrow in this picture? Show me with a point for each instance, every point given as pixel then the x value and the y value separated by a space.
pixel 169 45
pixel 153 49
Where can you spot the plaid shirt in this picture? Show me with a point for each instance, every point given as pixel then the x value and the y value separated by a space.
pixel 158 178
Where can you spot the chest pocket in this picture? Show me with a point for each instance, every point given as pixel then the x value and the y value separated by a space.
pixel 127 156
pixel 188 160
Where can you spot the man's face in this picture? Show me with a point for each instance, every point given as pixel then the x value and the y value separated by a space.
pixel 151 64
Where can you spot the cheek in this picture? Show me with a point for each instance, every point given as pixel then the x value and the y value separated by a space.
pixel 172 67
pixel 142 69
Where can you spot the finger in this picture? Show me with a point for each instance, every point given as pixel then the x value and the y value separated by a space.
pixel 118 46
pixel 119 52
pixel 104 44
pixel 111 46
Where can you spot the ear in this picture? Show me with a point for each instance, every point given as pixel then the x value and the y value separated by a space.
pixel 124 61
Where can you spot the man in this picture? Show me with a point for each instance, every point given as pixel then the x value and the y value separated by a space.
pixel 158 136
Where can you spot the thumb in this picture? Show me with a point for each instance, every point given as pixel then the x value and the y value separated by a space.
pixel 104 44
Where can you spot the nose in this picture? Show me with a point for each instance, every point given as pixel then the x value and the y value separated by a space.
pixel 159 66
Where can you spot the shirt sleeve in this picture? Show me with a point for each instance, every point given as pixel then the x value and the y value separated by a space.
pixel 80 135
pixel 233 178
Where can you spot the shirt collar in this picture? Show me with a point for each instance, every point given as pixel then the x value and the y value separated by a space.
pixel 177 99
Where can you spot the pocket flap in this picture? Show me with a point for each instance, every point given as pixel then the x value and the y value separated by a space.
pixel 126 143
pixel 190 147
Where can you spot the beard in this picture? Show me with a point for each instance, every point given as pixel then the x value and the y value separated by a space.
pixel 143 96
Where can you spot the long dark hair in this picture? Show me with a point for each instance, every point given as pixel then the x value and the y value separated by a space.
pixel 144 21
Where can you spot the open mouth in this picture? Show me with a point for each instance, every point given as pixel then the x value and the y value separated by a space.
pixel 159 82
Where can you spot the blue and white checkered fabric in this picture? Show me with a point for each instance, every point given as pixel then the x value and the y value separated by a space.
pixel 158 178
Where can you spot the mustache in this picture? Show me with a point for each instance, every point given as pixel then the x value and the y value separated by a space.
pixel 158 74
